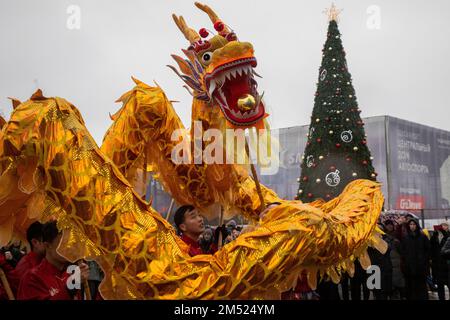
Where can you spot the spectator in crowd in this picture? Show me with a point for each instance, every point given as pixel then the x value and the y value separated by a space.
pixel 416 253
pixel 383 261
pixel 13 253
pixel 401 230
pixel 327 290
pixel 221 230
pixel 235 233
pixel 6 266
pixel 439 265
pixel 190 226
pixel 398 280
pixel 228 239
pixel 32 259
pixel 95 277
pixel 445 252
pixel 17 251
pixel 207 242
pixel 359 282
pixel 345 286
pixel 231 225
pixel 301 290
pixel 48 280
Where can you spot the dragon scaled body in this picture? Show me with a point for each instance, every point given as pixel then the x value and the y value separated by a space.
pixel 51 168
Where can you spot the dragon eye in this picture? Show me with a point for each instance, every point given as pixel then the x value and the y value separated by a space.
pixel 206 58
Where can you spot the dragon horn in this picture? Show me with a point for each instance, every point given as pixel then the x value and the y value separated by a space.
pixel 190 34
pixel 212 15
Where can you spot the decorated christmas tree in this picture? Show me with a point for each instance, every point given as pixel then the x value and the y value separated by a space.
pixel 336 150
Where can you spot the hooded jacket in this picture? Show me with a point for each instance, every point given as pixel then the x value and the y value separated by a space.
pixel 416 251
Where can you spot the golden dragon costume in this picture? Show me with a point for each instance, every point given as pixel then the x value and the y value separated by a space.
pixel 51 168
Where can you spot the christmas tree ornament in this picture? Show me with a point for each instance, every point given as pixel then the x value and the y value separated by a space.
pixel 355 148
pixel 309 161
pixel 332 179
pixel 347 136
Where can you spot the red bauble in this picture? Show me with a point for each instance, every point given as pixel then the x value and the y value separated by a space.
pixel 364 142
pixel 332 168
pixel 319 140
pixel 348 159
pixel 310 195
pixel 203 33
pixel 364 162
pixel 328 119
pixel 296 198
pixel 308 143
pixel 219 26
pixel 305 178
pixel 328 196
pixel 338 145
pixel 314 165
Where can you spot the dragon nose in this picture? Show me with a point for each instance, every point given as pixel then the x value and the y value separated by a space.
pixel 246 103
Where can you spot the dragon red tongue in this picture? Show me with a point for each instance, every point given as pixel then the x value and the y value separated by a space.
pixel 236 89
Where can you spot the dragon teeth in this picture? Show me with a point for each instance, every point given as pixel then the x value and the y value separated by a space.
pixel 212 87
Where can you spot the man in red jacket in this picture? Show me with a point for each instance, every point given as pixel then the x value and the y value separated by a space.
pixel 190 225
pixel 32 259
pixel 49 280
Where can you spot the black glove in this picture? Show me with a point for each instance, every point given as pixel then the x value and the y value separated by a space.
pixel 219 230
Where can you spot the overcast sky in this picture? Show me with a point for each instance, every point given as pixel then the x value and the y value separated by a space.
pixel 398 53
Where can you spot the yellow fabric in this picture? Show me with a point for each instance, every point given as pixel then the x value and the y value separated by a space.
pixel 103 218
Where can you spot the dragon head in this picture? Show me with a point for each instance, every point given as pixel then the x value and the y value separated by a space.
pixel 220 71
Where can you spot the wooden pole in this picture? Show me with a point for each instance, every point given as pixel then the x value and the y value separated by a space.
pixel 144 176
pixel 6 285
pixel 169 211
pixel 87 290
pixel 219 242
pixel 255 177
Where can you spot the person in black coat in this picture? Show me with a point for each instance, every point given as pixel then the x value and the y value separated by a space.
pixel 416 254
pixel 445 252
pixel 383 261
pixel 439 265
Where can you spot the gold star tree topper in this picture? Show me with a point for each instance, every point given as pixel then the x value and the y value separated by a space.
pixel 333 13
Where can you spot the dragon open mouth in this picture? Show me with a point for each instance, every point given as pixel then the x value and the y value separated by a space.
pixel 234 88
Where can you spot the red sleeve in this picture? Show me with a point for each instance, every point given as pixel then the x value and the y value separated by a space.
pixel 32 288
pixel 15 275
